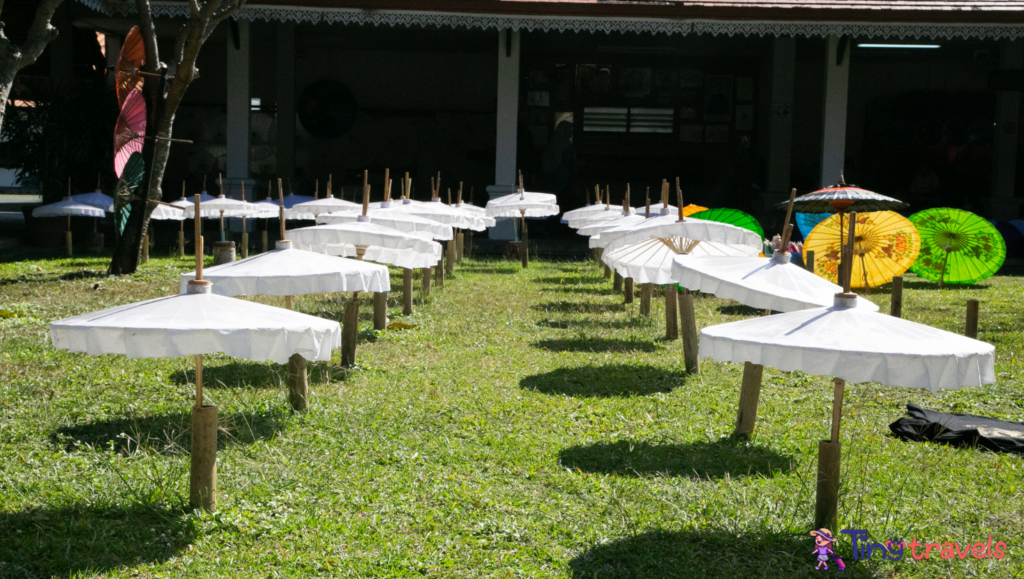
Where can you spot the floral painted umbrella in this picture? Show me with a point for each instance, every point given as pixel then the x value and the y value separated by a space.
pixel 129 61
pixel 886 246
pixel 957 246
pixel 126 185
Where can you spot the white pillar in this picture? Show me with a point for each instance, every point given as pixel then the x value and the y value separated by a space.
pixel 1004 205
pixel 286 99
pixel 508 122
pixel 781 141
pixel 238 103
pixel 833 139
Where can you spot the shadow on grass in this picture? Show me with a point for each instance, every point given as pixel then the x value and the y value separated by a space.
pixel 567 307
pixel 699 460
pixel 605 381
pixel 512 268
pixel 632 322
pixel 739 310
pixel 86 541
pixel 596 345
pixel 707 553
pixel 167 433
pixel 932 285
pixel 569 279
pixel 581 289
pixel 240 375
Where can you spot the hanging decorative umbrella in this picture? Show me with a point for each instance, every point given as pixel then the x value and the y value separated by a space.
pixel 957 246
pixel 129 61
pixel 886 246
pixel 807 221
pixel 732 217
pixel 195 323
pixel 130 178
pixel 852 344
pixel 130 130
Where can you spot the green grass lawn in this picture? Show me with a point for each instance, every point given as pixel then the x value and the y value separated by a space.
pixel 530 425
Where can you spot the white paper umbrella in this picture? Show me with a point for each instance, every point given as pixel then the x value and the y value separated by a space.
pixel 595 230
pixel 311 209
pixel 471 208
pixel 199 322
pixel 162 212
pixel 650 261
pixel 97 199
pixel 448 215
pixel 855 344
pixel 609 214
pixel 221 207
pixel 67 208
pixel 381 244
pixel 769 283
pixel 670 226
pixel 204 198
pixel 523 204
pixel 395 219
pixel 286 272
pixel 586 210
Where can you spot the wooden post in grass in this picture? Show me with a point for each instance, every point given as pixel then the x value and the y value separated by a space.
pixel 439 272
pixel 203 453
pixel 425 282
pixel 826 506
pixel 524 250
pixel 298 383
pixel 406 292
pixel 646 293
pixel 350 331
pixel 449 256
pixel 896 304
pixel 688 322
pixel 380 310
pixel 971 327
pixel 671 305
pixel 809 260
pixel 145 247
pixel 617 282
pixel 627 290
pixel 607 270
pixel 750 392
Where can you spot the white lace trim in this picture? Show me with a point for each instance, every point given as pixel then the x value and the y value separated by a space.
pixel 580 24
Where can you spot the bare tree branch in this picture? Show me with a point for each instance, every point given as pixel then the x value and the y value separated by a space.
pixel 14 58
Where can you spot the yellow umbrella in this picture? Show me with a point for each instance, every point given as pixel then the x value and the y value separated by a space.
pixel 886 246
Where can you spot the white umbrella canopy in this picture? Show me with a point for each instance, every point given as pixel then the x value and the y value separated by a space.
pixel 771 283
pixel 97 199
pixel 595 230
pixel 311 209
pixel 204 197
pixel 378 243
pixel 670 226
pixel 221 207
pixel 67 207
pixel 286 272
pixel 585 210
pixel 471 208
pixel 856 344
pixel 448 215
pixel 395 219
pixel 598 217
pixel 162 212
pixel 651 260
pixel 198 322
pixel 523 204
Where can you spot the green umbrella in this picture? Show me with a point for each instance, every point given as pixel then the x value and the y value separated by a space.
pixel 956 246
pixel 732 217
pixel 131 176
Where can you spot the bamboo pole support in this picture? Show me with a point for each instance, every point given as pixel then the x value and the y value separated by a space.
pixel 627 290
pixel 468 247
pixel 245 241
pixel 145 247
pixel 809 260
pixel 203 467
pixel 750 392
pixel 617 282
pixel 524 250
pixel 67 241
pixel 425 282
pixel 449 256
pixel 971 326
pixel 896 304
pixel 826 507
pixel 460 246
pixel 380 310
pixel 646 293
pixel 688 323
pixel 671 306
pixel 181 244
pixel 607 272
pixel 298 383
pixel 264 241
pixel 350 331
pixel 406 292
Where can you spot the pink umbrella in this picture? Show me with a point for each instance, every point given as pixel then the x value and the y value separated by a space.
pixel 130 130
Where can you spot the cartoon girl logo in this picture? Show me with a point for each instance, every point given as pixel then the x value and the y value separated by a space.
pixel 823 541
